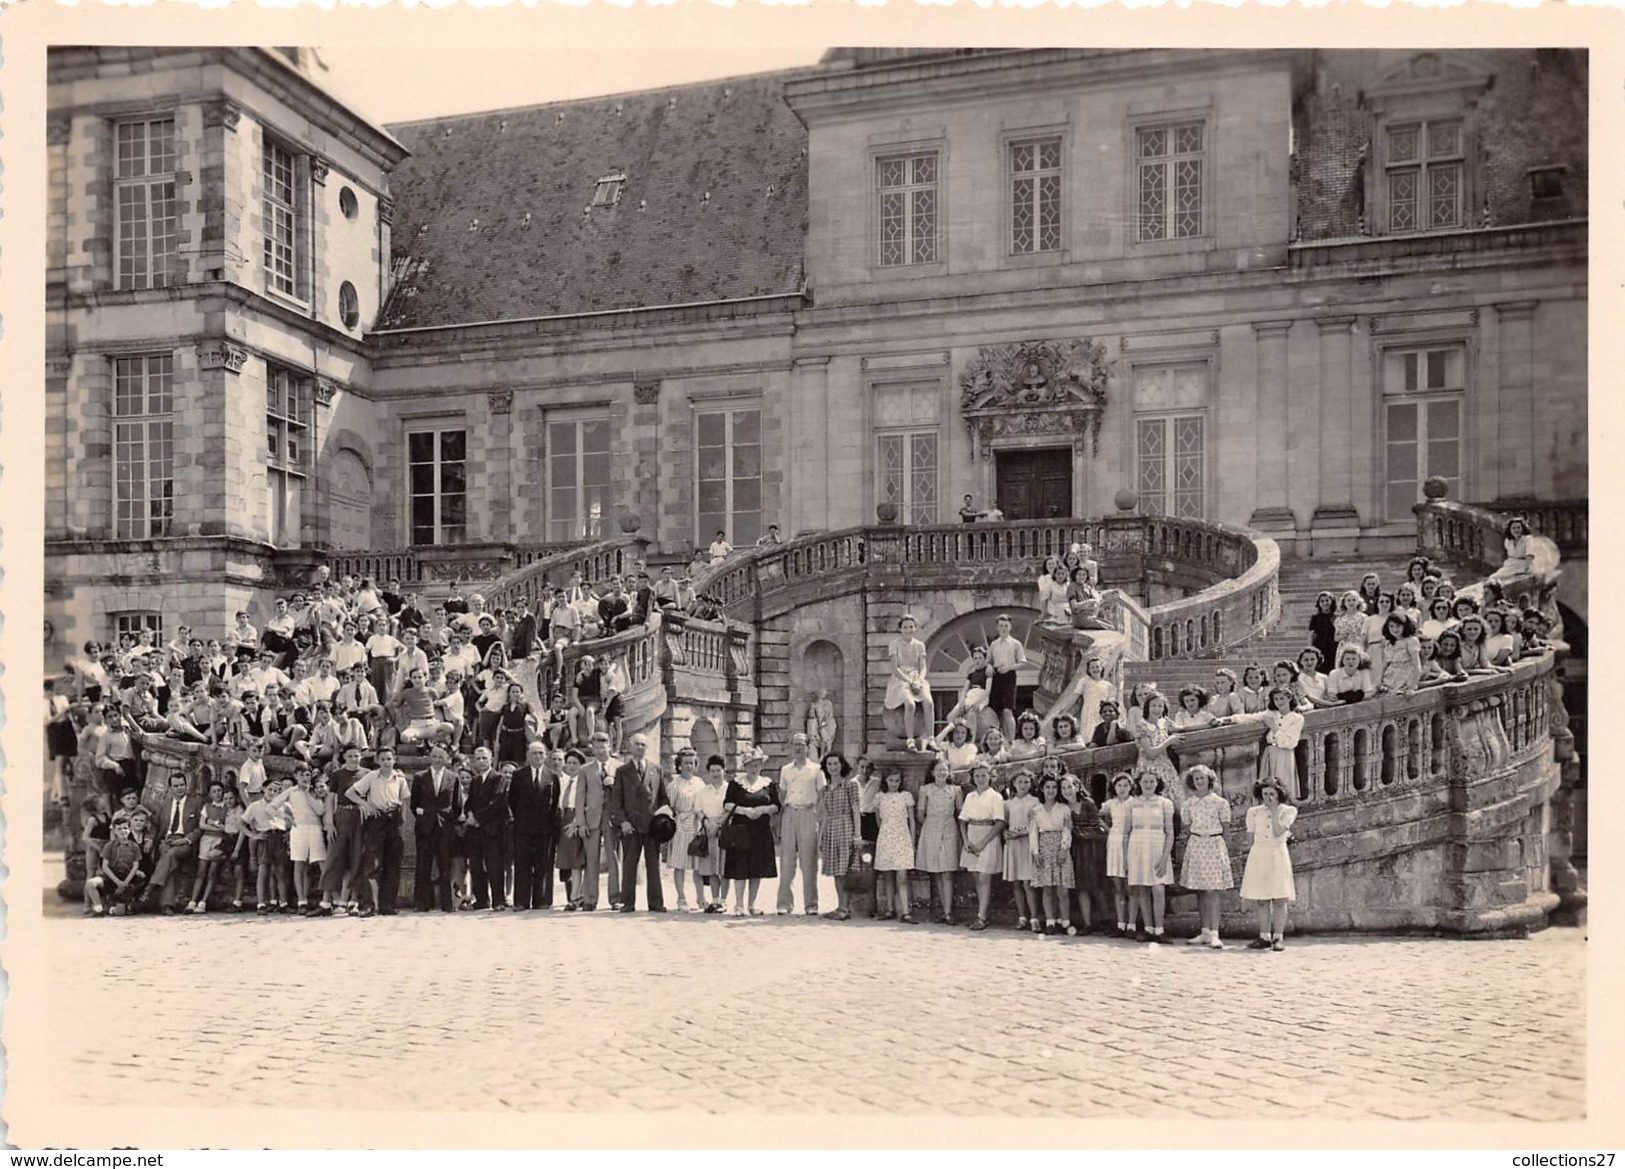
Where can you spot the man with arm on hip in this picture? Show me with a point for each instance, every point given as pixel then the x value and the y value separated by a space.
pixel 639 789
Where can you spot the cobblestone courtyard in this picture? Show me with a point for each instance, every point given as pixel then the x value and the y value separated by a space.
pixel 550 1011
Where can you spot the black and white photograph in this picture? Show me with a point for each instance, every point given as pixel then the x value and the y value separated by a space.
pixel 1025 584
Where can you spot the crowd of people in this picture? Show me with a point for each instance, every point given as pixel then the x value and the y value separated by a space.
pixel 527 787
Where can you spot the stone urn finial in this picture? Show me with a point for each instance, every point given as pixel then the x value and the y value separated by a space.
pixel 886 513
pixel 1434 487
pixel 631 521
pixel 1126 500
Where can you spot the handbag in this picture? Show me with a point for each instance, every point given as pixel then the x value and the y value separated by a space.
pixel 735 835
pixel 700 845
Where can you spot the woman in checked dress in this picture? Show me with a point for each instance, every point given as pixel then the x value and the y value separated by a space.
pixel 1049 835
pixel 1207 861
pixel 840 827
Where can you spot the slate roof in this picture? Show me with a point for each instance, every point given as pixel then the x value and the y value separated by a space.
pixel 664 243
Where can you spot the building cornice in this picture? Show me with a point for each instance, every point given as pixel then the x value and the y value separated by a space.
pixel 989 75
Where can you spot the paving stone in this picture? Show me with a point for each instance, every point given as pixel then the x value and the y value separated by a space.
pixel 555 1012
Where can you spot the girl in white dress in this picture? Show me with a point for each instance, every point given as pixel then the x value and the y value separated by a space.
pixel 1018 854
pixel 1052 596
pixel 981 838
pixel 1520 555
pixel 682 793
pixel 1115 812
pixel 907 688
pixel 958 749
pixel 1193 713
pixel 1150 849
pixel 894 845
pixel 1029 742
pixel 1267 878
pixel 994 749
pixel 1095 691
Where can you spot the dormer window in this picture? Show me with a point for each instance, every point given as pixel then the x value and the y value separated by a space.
pixel 1425 142
pixel 608 191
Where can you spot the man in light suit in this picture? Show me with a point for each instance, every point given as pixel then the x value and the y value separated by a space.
pixel 639 789
pixel 437 805
pixel 609 860
pixel 179 823
pixel 533 798
pixel 589 820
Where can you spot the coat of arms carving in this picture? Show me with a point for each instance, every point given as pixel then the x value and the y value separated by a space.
pixel 1036 387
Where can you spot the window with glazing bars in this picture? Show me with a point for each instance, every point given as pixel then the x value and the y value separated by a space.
pixel 1170 160
pixel 147 224
pixel 281 207
pixel 287 418
pixel 1426 168
pixel 143 446
pixel 1035 196
pixel 909 206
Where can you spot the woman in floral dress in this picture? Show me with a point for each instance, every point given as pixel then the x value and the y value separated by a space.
pixel 894 845
pixel 840 827
pixel 938 849
pixel 1152 735
pixel 682 792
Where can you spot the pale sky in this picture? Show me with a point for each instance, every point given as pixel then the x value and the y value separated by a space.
pixel 403 84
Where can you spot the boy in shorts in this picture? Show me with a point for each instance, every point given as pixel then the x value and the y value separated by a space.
pixel 306 842
pixel 267 830
pixel 119 877
pixel 1004 655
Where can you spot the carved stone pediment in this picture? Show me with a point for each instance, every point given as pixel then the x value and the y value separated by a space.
pixel 1035 388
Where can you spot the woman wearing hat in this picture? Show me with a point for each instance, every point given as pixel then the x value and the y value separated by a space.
pixel 750 799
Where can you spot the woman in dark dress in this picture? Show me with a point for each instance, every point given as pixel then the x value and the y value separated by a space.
pixel 751 798
pixel 1323 630
pixel 516 726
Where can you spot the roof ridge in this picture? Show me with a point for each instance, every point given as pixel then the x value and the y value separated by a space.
pixel 795 71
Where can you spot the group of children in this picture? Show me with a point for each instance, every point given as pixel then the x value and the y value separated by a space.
pixel 1059 850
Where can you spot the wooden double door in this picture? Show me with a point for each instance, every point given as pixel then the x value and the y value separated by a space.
pixel 1034 485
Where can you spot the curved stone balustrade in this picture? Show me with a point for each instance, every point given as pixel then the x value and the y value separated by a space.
pixel 1235 571
pixel 613 557
pixel 443 563
pixel 1473 536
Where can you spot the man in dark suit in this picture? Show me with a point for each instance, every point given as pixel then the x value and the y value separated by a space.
pixel 436 807
pixel 639 789
pixel 487 807
pixel 179 828
pixel 533 799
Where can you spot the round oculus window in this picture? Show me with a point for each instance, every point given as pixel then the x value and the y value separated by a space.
pixel 349 305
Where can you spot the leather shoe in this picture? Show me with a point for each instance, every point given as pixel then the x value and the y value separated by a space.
pixel 627 909
pixel 657 909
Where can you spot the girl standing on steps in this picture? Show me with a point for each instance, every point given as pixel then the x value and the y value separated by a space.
pixel 981 841
pixel 937 852
pixel 1350 623
pixel 907 688
pixel 1370 589
pixel 1323 627
pixel 1154 737
pixel 1088 853
pixel 1284 729
pixel 1095 691
pixel 1193 713
pixel 1267 878
pixel 1018 854
pixel 1116 815
pixel 1049 836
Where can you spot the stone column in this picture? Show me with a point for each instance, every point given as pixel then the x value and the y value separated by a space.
pixel 808 434
pixel 1270 511
pixel 1335 525
pixel 1517 414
